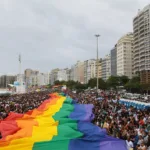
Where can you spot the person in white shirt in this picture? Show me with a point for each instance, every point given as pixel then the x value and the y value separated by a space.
pixel 142 147
pixel 129 143
pixel 140 141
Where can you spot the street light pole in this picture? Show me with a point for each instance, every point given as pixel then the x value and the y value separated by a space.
pixel 97 36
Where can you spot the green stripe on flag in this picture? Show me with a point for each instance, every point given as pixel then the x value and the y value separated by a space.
pixel 67 130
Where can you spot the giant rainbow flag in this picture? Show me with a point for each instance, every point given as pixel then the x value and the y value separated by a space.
pixel 58 124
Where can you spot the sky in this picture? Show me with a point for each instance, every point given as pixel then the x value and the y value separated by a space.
pixel 57 33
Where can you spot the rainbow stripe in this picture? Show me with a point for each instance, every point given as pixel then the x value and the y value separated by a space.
pixel 58 124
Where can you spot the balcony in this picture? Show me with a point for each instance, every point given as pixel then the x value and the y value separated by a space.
pixel 142 67
pixel 142 64
pixel 136 64
pixel 142 38
pixel 136 29
pixel 147 56
pixel 141 33
pixel 142 56
pixel 136 39
pixel 136 47
pixel 136 67
pixel 142 43
pixel 136 34
pixel 142 61
pixel 135 20
pixel 136 60
pixel 141 19
pixel 142 46
pixel 136 56
pixel 136 43
pixel 141 26
pixel 142 50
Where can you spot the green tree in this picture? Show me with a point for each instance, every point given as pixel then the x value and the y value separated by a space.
pixel 49 86
pixel 102 84
pixel 71 84
pixel 135 79
pixel 145 87
pixel 93 82
pixel 123 80
pixel 80 86
pixel 113 82
pixel 57 82
pixel 133 85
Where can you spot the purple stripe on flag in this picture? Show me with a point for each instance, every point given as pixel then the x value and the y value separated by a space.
pixel 113 145
pixel 95 138
pixel 82 112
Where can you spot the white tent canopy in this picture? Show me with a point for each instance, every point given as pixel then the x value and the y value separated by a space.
pixel 5 92
pixel 11 85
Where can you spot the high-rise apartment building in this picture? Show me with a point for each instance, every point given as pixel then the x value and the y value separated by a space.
pixel 31 77
pixel 113 55
pixel 49 78
pixel 35 78
pixel 54 76
pixel 77 72
pixel 68 74
pixel 73 72
pixel 85 71
pixel 141 28
pixel 80 71
pixel 106 67
pixel 125 55
pixel 42 79
pixel 7 79
pixel 62 75
pixel 90 69
pixel 99 68
pixel 28 72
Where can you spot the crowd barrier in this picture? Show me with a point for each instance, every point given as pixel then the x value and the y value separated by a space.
pixel 135 104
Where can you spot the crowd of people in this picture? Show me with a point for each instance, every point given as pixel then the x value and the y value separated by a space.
pixel 127 123
pixel 122 122
pixel 21 103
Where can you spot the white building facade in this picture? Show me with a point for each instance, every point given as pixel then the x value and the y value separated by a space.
pixel 73 73
pixel 77 72
pixel 106 67
pixel 62 75
pixel 90 69
pixel 141 30
pixel 125 55
pixel 53 76
pixel 42 79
